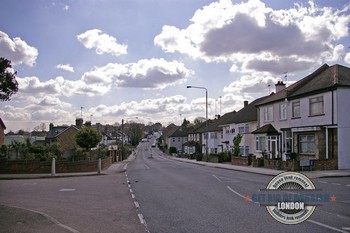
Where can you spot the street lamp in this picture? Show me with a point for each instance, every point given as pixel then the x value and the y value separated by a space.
pixel 206 117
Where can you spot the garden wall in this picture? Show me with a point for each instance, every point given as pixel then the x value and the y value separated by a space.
pixel 34 166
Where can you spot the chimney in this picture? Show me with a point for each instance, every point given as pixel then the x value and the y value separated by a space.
pixel 88 123
pixel 280 85
pixel 79 122
pixel 245 103
pixel 51 126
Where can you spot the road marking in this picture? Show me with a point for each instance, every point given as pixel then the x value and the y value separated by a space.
pixel 336 183
pixel 133 196
pixel 141 218
pixel 323 182
pixel 30 183
pixel 240 195
pixel 346 228
pixel 136 204
pixel 326 226
pixel 125 166
pixel 130 190
pixel 147 167
pixel 67 190
pixel 348 185
pixel 217 178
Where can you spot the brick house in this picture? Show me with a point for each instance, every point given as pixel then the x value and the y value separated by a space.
pixel 64 136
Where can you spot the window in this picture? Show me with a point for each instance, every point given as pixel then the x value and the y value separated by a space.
pixel 283 111
pixel 295 109
pixel 260 143
pixel 179 139
pixel 233 130
pixel 268 113
pixel 289 141
pixel 316 106
pixel 173 139
pixel 307 144
pixel 244 150
pixel 243 129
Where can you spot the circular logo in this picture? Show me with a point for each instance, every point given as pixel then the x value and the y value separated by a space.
pixel 286 208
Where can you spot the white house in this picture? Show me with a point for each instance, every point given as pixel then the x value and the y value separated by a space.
pixel 309 118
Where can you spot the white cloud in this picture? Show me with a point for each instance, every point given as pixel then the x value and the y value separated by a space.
pixel 66 67
pixel 103 43
pixel 146 73
pixel 238 33
pixel 17 50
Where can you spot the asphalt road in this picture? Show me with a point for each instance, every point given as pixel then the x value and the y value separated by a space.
pixel 180 197
pixel 76 204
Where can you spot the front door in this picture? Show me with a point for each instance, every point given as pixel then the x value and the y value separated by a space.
pixel 273 144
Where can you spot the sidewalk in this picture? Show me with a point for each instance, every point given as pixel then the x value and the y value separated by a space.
pixel 266 171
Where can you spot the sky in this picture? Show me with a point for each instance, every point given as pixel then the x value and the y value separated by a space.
pixel 108 60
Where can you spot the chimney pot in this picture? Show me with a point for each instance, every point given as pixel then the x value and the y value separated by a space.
pixel 245 103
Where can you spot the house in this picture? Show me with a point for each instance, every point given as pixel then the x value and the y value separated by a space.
pixel 64 136
pixel 166 132
pixel 178 138
pixel 242 122
pixel 2 132
pixel 309 118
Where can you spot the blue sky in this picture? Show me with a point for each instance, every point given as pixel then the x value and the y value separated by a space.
pixel 132 59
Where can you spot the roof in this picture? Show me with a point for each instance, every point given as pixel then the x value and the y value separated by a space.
pixel 2 124
pixel 248 113
pixel 181 132
pixel 323 79
pixel 57 130
pixel 268 129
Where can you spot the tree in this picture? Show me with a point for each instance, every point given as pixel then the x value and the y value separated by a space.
pixel 8 83
pixel 198 121
pixel 236 141
pixel 135 133
pixel 185 123
pixel 88 138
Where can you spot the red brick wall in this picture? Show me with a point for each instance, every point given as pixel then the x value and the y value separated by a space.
pixel 30 166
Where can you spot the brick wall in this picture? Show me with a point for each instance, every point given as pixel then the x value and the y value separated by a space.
pixel 239 161
pixel 30 166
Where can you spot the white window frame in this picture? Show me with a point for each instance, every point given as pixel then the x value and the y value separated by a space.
pixel 316 106
pixel 268 113
pixel 296 109
pixel 283 111
pixel 307 140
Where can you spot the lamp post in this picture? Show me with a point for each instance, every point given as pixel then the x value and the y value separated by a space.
pixel 206 117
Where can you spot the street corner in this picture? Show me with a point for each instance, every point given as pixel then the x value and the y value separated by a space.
pixel 15 219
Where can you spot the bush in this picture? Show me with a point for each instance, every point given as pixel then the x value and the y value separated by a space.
pixel 172 150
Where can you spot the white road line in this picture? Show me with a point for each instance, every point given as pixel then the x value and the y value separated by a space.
pixel 67 190
pixel 240 195
pixel 125 166
pixel 141 218
pixel 346 228
pixel 323 182
pixel 130 190
pixel 336 183
pixel 217 178
pixel 326 226
pixel 348 185
pixel 136 204
pixel 147 167
pixel 133 196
